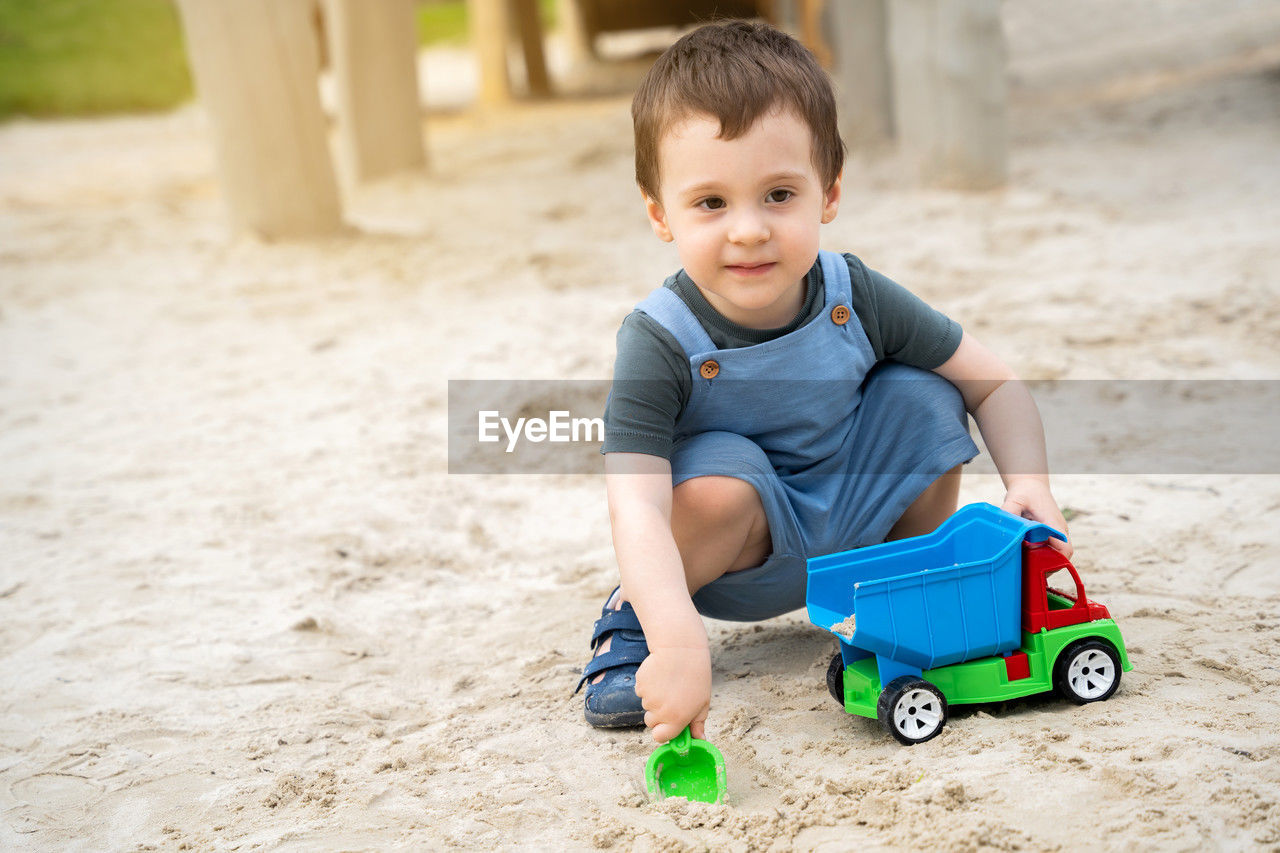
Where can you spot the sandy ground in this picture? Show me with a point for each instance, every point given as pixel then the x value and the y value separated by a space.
pixel 244 606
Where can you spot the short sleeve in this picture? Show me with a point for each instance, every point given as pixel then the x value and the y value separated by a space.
pixel 651 385
pixel 901 326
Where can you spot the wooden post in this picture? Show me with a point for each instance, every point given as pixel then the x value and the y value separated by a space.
pixel 811 31
pixel 374 48
pixel 255 65
pixel 971 60
pixel 949 91
pixel 859 39
pixel 491 24
pixel 529 25
pixel 574 22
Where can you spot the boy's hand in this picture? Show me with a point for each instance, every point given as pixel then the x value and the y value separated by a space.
pixel 674 686
pixel 1031 499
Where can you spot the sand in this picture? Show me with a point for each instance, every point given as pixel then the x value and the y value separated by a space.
pixel 244 606
pixel 845 627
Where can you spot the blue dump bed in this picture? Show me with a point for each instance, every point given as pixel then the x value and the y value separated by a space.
pixel 950 596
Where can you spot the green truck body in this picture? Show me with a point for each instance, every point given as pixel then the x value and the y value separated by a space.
pixel 986 679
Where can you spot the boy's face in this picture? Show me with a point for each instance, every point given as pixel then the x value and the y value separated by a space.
pixel 744 213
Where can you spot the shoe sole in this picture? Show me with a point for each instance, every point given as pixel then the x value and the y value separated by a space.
pixel 616 720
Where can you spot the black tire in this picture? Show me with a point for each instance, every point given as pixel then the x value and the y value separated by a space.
pixel 1087 671
pixel 835 679
pixel 912 710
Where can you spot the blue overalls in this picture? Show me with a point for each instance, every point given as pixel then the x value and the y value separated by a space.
pixel 837 446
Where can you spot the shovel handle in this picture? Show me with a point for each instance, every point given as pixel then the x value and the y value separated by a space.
pixel 681 742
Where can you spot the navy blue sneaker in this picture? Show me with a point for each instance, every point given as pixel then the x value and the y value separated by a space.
pixel 612 703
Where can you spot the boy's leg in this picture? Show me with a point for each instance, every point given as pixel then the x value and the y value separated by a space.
pixel 719 526
pixel 935 505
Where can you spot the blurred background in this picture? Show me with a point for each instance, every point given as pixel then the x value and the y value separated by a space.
pixel 98 57
pixel 930 80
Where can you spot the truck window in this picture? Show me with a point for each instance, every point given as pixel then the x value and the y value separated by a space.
pixel 1063 592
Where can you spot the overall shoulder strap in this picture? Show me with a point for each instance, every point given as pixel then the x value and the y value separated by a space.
pixel 673 315
pixel 835 278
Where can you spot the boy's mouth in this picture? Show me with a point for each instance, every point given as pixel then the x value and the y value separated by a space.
pixel 751 269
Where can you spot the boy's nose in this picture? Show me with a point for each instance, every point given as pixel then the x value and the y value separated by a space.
pixel 748 229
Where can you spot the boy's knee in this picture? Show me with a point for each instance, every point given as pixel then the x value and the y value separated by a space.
pixel 713 498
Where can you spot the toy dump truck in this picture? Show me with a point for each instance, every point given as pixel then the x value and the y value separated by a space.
pixel 964 614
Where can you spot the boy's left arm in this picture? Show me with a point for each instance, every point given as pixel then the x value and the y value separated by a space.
pixel 1011 428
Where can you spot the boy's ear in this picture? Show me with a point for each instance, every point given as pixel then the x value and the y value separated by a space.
pixel 657 217
pixel 832 205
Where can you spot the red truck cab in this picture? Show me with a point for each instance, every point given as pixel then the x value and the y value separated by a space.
pixel 1045 607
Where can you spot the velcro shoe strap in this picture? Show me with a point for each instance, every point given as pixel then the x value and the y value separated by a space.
pixel 615 620
pixel 631 655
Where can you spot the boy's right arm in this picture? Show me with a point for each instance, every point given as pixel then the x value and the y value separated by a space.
pixel 674 682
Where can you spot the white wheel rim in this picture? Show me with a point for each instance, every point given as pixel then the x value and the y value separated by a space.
pixel 917 714
pixel 1091 674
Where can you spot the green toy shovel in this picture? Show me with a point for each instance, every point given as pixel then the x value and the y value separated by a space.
pixel 686 767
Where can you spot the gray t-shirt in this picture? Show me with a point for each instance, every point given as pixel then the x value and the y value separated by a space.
pixel 652 379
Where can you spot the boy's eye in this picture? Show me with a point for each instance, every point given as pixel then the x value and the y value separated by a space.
pixel 779 196
pixel 712 203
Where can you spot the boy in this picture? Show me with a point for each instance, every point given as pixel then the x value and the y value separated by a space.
pixel 770 402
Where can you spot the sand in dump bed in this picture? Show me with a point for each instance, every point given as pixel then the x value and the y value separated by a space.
pixel 243 606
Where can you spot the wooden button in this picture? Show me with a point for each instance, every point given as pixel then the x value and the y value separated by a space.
pixel 840 315
pixel 709 369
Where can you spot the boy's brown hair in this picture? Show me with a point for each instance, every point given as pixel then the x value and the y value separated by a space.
pixel 735 71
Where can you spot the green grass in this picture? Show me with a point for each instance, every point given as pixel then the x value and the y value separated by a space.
pixel 95 57
pixel 445 21
pixel 85 57
pixel 442 23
